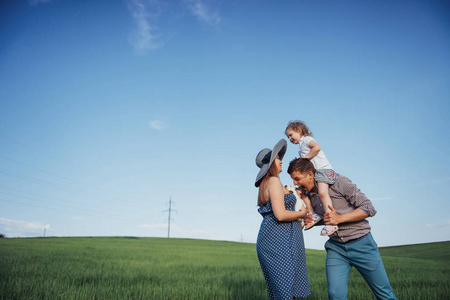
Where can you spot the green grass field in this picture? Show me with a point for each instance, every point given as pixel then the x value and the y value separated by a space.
pixel 158 268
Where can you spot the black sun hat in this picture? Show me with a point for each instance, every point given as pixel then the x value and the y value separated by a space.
pixel 265 158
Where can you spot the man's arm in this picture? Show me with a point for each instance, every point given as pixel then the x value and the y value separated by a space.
pixel 333 218
pixel 355 197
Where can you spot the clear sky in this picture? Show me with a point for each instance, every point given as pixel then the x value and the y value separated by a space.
pixel 111 108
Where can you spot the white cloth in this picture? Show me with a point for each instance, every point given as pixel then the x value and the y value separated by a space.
pixel 299 204
pixel 320 161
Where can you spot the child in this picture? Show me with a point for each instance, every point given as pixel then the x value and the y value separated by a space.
pixel 298 133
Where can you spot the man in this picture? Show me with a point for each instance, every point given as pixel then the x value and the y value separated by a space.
pixel 352 244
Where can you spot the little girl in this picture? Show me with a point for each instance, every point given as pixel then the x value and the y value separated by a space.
pixel 298 133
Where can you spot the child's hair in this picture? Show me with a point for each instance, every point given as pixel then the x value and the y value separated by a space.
pixel 299 126
pixel 302 165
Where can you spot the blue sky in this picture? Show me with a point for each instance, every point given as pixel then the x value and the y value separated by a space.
pixel 111 108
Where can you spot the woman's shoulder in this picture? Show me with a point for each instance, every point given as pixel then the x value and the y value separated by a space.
pixel 274 180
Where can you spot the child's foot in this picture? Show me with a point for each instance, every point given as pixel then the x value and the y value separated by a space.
pixel 328 229
pixel 316 219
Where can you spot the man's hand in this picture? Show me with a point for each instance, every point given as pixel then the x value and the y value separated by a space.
pixel 332 217
pixel 308 219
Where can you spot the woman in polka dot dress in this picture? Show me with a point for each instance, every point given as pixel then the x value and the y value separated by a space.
pixel 280 246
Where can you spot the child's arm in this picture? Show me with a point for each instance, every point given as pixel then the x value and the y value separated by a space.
pixel 315 149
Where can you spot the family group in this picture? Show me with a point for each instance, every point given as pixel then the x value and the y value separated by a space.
pixel 326 198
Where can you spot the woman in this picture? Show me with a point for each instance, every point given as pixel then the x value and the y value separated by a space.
pixel 280 247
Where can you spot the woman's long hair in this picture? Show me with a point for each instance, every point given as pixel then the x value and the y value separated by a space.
pixel 272 172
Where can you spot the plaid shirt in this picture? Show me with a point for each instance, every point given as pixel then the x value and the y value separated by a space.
pixel 346 197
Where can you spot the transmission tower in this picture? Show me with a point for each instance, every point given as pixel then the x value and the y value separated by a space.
pixel 169 219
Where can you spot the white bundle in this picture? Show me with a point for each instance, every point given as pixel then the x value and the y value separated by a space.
pixel 299 204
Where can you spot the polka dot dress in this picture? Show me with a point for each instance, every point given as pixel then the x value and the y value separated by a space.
pixel 281 254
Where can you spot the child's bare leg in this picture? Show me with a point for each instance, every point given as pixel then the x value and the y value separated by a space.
pixel 326 202
pixel 324 196
pixel 308 203
pixel 316 217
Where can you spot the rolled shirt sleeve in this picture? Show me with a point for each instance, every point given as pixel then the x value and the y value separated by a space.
pixel 355 197
pixel 346 197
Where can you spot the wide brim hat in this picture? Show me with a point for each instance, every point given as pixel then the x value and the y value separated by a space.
pixel 265 158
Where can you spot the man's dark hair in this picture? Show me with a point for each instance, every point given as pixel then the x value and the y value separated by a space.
pixel 302 165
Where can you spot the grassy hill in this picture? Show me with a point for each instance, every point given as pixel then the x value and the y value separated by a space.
pixel 434 251
pixel 159 268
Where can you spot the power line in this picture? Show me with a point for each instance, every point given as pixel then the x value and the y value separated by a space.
pixel 38 169
pixel 63 188
pixel 62 204
pixel 134 199
pixel 62 207
pixel 57 203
